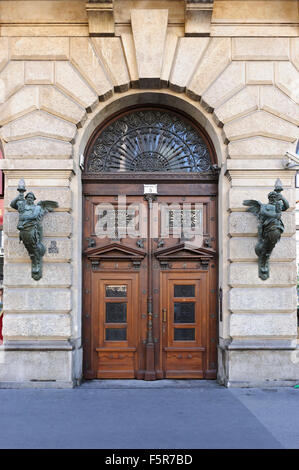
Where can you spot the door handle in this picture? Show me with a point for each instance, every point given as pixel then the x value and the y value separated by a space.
pixel 164 315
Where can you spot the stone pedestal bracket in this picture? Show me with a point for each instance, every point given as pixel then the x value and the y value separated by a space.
pixel 100 18
pixel 198 15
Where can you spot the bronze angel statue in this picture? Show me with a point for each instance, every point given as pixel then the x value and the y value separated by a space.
pixel 30 226
pixel 270 227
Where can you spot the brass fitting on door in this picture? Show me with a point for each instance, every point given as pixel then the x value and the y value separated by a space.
pixel 164 315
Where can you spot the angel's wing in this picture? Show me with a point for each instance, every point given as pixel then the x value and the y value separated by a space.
pixel 254 206
pixel 48 205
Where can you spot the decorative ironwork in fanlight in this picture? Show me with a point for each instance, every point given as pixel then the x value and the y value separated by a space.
pixel 149 141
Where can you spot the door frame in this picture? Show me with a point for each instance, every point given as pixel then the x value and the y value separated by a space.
pixel 93 184
pixel 101 185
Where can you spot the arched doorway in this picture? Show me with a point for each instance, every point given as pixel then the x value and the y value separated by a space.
pixel 150 248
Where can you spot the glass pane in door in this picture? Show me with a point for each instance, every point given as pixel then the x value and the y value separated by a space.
pixel 184 312
pixel 184 290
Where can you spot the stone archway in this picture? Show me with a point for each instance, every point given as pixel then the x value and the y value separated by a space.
pixel 125 334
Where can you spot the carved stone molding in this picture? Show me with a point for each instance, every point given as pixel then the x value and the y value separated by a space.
pixel 100 18
pixel 237 170
pixel 36 169
pixel 198 15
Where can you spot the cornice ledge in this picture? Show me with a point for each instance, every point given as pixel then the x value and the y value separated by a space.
pixel 49 169
pixel 255 165
pixel 37 165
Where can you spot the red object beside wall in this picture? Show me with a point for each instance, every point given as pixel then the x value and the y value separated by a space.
pixel 1 212
pixel 1 173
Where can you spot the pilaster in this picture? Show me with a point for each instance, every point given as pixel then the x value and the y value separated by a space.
pixel 38 326
pixel 261 314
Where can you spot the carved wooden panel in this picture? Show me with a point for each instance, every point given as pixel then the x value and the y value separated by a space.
pixel 184 284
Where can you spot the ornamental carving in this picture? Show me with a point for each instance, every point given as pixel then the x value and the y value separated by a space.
pixel 270 225
pixel 30 226
pixel 149 141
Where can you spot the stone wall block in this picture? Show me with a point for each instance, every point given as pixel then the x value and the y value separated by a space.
pixel 261 123
pixel 255 11
pixel 171 42
pixel 215 59
pixel 277 103
pixel 260 48
pixel 25 326
pixel 237 195
pixel 244 224
pixel 244 102
pixel 242 249
pixel 259 73
pixel 71 83
pixel 287 79
pixel 68 11
pixel 295 52
pixel 4 52
pixel 39 48
pixel 254 147
pixel 87 62
pixel 54 275
pixel 263 325
pixel 187 56
pixel 246 275
pixel 112 56
pixel 39 123
pixel 22 102
pixel 57 250
pixel 54 102
pixel 37 365
pixel 11 79
pixel 276 367
pixel 61 195
pixel 57 224
pixel 267 300
pixel 39 72
pixel 37 300
pixel 227 84
pixel 38 147
pixel 149 29
pixel 130 54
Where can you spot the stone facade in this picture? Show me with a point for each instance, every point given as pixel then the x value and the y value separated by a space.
pixel 236 71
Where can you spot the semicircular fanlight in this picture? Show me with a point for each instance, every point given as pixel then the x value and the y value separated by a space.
pixel 149 141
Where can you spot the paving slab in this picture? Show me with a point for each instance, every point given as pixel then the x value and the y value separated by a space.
pixel 147 415
pixel 277 409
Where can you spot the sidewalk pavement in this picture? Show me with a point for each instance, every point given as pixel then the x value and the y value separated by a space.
pixel 165 414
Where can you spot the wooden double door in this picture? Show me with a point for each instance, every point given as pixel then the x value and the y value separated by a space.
pixel 149 288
